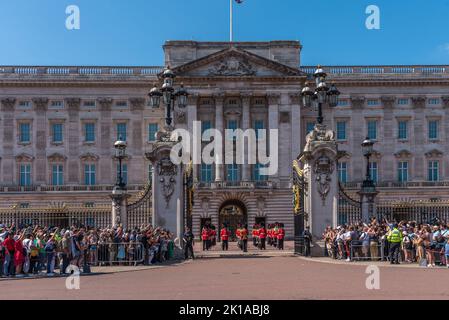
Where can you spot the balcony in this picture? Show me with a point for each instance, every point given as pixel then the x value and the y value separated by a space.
pixel 398 185
pixel 64 188
pixel 236 185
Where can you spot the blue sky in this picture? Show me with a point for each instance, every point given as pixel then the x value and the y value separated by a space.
pixel 118 32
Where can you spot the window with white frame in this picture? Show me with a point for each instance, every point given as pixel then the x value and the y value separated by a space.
pixel 403 101
pixel 153 128
pixel 89 132
pixel 206 173
pixel 433 101
pixel 433 173
pixel 121 131
pixel 372 129
pixel 57 174
pixel 373 170
pixel 232 172
pixel 373 102
pixel 24 132
pixel 57 131
pixel 25 174
pixel 433 129
pixel 89 174
pixel 341 130
pixel 402 129
pixel 57 104
pixel 343 172
pixel 403 171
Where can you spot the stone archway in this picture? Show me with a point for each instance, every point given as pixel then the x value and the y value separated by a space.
pixel 232 212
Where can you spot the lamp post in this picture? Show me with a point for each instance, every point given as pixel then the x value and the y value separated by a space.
pixel 367 148
pixel 368 192
pixel 120 154
pixel 321 95
pixel 169 96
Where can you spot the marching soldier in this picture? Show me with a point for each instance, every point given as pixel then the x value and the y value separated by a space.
pixel 205 238
pixel 280 236
pixel 255 234
pixel 262 237
pixel 224 235
pixel 244 237
pixel 238 236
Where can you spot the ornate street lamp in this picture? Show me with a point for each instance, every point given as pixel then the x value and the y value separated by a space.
pixel 321 95
pixel 169 95
pixel 367 149
pixel 120 154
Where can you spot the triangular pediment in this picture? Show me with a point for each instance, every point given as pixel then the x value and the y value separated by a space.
pixel 233 62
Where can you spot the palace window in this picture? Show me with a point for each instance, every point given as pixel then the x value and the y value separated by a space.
pixel 373 102
pixel 433 171
pixel 309 127
pixel 433 129
pixel 153 128
pixel 89 132
pixel 89 174
pixel 57 175
pixel 205 125
pixel 25 175
pixel 373 171
pixel 121 104
pixel 402 171
pixel 403 101
pixel 231 126
pixel 343 172
pixel 206 172
pixel 24 132
pixel 57 104
pixel 343 102
pixel 341 130
pixel 433 101
pixel 121 131
pixel 403 130
pixel 258 125
pixel 24 104
pixel 57 129
pixel 372 129
pixel 124 172
pixel 90 103
pixel 257 174
pixel 232 172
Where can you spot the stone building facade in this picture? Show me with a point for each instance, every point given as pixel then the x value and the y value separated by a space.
pixel 58 126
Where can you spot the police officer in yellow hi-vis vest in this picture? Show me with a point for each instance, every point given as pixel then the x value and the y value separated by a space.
pixel 394 238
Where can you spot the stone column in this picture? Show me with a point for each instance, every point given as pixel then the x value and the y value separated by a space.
pixel 8 161
pixel 445 100
pixel 135 137
pixel 273 122
pixel 388 170
pixel 419 132
pixel 75 134
pixel 358 136
pixel 246 124
pixel 106 170
pixel 295 124
pixel 119 207
pixel 192 115
pixel 40 167
pixel 219 125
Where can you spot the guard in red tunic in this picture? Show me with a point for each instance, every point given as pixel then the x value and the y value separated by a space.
pixel 212 236
pixel 281 236
pixel 224 235
pixel 262 237
pixel 205 238
pixel 255 235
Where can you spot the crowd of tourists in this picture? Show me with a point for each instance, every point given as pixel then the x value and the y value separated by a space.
pixel 261 236
pixel 34 250
pixel 405 241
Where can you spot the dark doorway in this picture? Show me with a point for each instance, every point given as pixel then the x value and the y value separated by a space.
pixel 261 221
pixel 205 222
pixel 232 213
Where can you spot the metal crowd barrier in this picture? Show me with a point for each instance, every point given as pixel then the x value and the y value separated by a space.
pixel 116 253
pixel 359 252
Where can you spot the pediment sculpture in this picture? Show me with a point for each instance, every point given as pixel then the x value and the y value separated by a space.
pixel 232 67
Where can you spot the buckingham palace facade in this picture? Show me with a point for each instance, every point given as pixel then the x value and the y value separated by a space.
pixel 58 126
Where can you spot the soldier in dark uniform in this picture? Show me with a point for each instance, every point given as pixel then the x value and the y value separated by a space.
pixel 188 239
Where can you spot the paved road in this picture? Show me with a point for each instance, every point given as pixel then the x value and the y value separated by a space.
pixel 242 278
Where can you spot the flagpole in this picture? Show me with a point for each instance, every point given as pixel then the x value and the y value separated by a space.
pixel 231 36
